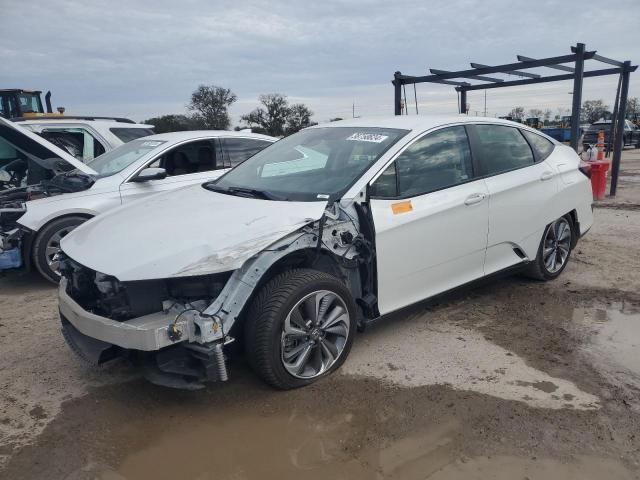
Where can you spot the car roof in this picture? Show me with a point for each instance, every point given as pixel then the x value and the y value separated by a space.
pixel 416 122
pixel 189 134
pixel 422 123
pixel 70 120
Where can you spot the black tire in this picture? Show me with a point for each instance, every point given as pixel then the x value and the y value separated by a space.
pixel 537 269
pixel 45 236
pixel 265 318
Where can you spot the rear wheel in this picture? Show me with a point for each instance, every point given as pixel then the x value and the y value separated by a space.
pixel 554 250
pixel 47 245
pixel 299 328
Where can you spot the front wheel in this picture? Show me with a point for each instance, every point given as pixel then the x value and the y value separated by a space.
pixel 47 245
pixel 554 250
pixel 299 328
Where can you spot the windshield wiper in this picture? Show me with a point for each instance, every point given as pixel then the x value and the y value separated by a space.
pixel 250 192
pixel 240 191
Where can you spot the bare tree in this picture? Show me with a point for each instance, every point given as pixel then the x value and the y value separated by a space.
pixel 593 110
pixel 517 113
pixel 211 106
pixel 633 108
pixel 535 113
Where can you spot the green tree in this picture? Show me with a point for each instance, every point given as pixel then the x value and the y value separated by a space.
pixel 299 117
pixel 593 110
pixel 210 105
pixel 174 123
pixel 271 117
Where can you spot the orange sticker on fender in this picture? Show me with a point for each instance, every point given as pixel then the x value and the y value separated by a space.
pixel 401 207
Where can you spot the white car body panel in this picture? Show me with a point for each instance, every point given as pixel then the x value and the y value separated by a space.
pixel 217 236
pixel 436 246
pixel 520 207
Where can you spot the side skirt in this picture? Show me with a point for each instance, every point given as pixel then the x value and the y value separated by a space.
pixel 506 272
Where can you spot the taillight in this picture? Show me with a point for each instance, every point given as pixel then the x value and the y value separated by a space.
pixel 585 168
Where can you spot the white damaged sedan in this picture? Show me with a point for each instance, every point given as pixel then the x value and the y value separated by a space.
pixel 312 238
pixel 34 219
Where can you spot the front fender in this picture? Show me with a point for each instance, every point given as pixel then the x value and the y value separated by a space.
pixel 36 218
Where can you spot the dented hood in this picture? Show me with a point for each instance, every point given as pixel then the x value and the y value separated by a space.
pixel 185 232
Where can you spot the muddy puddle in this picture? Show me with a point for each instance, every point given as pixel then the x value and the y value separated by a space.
pixel 613 340
pixel 339 429
pixel 284 446
pixel 301 446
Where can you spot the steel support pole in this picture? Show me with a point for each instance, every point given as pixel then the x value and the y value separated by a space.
pixel 577 96
pixel 463 101
pixel 397 97
pixel 619 140
pixel 614 117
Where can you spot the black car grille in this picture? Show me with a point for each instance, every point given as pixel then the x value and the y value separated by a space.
pixel 106 296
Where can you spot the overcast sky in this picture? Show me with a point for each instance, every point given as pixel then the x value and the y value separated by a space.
pixel 142 58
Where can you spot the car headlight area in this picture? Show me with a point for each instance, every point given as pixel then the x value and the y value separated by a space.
pixel 157 323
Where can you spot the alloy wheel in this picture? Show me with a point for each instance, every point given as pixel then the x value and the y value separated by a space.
pixel 557 244
pixel 53 247
pixel 314 334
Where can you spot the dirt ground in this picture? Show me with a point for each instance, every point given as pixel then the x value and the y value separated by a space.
pixel 512 379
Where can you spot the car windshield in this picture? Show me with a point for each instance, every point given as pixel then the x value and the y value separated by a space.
pixel 120 158
pixel 317 163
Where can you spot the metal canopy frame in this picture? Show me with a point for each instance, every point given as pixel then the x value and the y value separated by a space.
pixel 578 56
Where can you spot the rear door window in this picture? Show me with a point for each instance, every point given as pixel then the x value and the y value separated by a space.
pixel 192 157
pixel 502 148
pixel 239 149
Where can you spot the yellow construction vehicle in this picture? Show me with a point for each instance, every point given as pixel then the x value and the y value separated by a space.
pixel 534 122
pixel 22 103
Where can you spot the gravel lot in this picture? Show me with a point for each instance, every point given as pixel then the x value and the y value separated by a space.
pixel 510 379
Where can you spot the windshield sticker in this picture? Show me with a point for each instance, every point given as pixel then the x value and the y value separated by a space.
pixel 368 137
pixel 322 196
pixel 152 144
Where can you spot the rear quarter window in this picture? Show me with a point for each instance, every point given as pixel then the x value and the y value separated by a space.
pixel 128 134
pixel 542 147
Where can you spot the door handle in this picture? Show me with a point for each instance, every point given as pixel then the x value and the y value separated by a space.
pixel 474 198
pixel 546 176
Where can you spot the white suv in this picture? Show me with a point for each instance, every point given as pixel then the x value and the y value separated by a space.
pixel 87 137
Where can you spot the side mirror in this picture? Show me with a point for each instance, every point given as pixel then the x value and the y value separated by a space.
pixel 150 173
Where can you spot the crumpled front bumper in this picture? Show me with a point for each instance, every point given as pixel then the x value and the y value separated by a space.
pixel 147 333
pixel 197 357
